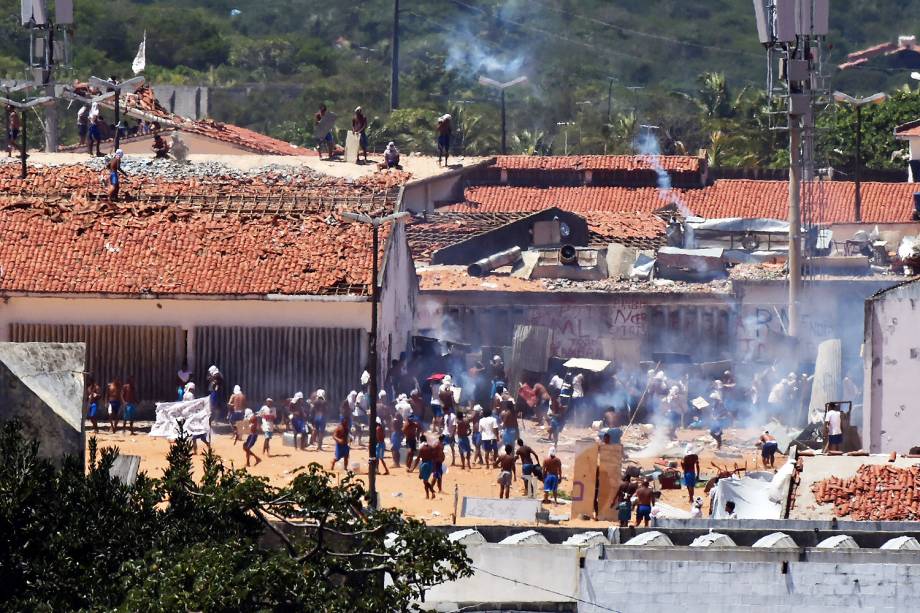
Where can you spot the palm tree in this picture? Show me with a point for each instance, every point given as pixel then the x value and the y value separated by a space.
pixel 528 142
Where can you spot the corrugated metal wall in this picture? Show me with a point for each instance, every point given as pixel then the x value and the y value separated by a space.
pixel 278 362
pixel 150 354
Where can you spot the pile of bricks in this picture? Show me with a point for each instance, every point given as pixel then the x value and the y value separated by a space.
pixel 877 492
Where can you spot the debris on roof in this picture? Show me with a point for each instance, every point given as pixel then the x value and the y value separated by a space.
pixel 878 492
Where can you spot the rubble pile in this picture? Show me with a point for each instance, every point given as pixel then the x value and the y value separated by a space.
pixel 635 285
pixel 877 492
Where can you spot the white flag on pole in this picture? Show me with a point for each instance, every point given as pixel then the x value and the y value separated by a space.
pixel 140 60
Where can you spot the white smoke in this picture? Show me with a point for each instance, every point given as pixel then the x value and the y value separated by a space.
pixel 647 145
pixel 468 54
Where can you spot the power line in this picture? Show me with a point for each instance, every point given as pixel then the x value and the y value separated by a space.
pixel 659 37
pixel 539 587
pixel 549 34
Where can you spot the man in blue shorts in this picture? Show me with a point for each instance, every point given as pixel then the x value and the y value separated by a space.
pixel 340 436
pixel 251 422
pixel 691 467
pixel 768 448
pixel 529 461
pixel 463 441
pixel 380 449
pixel 488 430
pixel 552 475
pixel 396 437
pixel 644 499
pixel 425 463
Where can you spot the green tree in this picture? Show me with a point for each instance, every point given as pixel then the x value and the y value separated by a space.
pixel 228 541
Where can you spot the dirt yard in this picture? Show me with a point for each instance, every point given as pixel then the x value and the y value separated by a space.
pixel 403 490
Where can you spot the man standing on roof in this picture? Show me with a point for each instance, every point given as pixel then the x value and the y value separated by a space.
pixel 114 169
pixel 359 127
pixel 95 131
pixel 12 129
pixel 82 124
pixel 444 132
pixel 328 138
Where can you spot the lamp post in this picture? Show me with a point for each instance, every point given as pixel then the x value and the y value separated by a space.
pixel 112 85
pixel 565 124
pixel 375 223
pixel 858 104
pixel 501 87
pixel 23 107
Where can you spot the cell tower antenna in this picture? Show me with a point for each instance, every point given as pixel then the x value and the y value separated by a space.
pixel 49 50
pixel 793 32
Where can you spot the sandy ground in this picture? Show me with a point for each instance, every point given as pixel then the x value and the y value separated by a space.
pixel 821 467
pixel 421 166
pixel 403 490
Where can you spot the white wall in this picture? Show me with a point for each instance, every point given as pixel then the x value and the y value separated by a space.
pixel 554 567
pixel 640 586
pixel 892 375
pixel 397 300
pixel 184 313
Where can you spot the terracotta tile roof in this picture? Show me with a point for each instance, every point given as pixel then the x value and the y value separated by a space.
pixel 878 492
pixel 676 163
pixel 881 202
pixel 145 100
pixel 908 130
pixel 47 247
pixel 498 198
pixel 443 229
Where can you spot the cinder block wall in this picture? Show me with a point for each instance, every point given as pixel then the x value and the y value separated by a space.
pixel 640 586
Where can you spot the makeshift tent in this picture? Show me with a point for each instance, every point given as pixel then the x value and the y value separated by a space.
pixel 194 414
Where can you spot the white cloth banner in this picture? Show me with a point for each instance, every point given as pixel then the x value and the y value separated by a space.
pixel 140 60
pixel 195 415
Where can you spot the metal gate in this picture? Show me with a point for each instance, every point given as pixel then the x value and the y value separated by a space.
pixel 277 362
pixel 150 354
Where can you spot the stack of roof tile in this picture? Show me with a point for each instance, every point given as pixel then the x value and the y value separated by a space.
pixel 668 163
pixel 877 492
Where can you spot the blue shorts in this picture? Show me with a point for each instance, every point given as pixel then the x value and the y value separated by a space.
pixel 250 441
pixel 437 411
pixel 94 132
pixel 328 137
pixel 319 423
pixel 438 471
pixel 341 451
pixel 527 469
pixel 130 409
pixel 362 140
pixel 444 141
pixel 381 451
pixel 396 441
pixel 463 442
pixel 550 483
pixel 555 425
pixel 200 437
pixel 114 407
pixel 213 397
pixel 267 434
pixel 82 129
pixel 509 436
pixel 491 445
pixel 835 439
pixel 643 511
pixel 425 469
pixel 477 438
pixel 93 409
pixel 769 449
pixel 299 425
pixel 689 479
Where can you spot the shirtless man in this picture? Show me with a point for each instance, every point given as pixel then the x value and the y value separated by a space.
pixel 380 450
pixel 340 436
pixel 626 490
pixel 508 471
pixel 691 467
pixel 509 424
pixel 235 407
pixel 113 395
pixel 477 435
pixel 527 466
pixel 425 463
pixel 439 458
pixel 396 438
pixel 129 398
pixel 644 496
pixel 93 395
pixel 252 421
pixel 463 442
pixel 552 475
pixel 411 430
pixel 319 418
pixel 768 447
pixel 114 168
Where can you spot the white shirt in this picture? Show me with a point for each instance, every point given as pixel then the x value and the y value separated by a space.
pixel 268 418
pixel 404 409
pixel 556 382
pixel 487 426
pixel 451 423
pixel 577 389
pixel 189 395
pixel 833 423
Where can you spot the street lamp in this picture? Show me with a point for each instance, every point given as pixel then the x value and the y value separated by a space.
pixel 502 87
pixel 858 103
pixel 565 150
pixel 111 85
pixel 23 107
pixel 375 223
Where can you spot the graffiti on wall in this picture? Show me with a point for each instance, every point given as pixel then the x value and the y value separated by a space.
pixel 758 324
pixel 583 331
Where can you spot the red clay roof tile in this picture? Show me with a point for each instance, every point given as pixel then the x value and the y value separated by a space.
pixel 675 163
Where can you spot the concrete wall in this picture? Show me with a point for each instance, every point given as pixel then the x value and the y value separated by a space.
pixel 196 143
pixel 732 586
pixel 892 384
pixel 397 299
pixel 42 387
pixel 185 100
pixel 184 313
pixel 519 568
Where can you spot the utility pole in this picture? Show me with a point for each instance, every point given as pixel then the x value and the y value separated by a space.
pixel 504 132
pixel 113 86
pixel 501 87
pixel 795 224
pixel 858 104
pixel 375 223
pixel 23 108
pixel 394 60
pixel 610 98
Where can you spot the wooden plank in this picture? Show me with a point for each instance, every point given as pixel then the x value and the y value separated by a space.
pixel 584 479
pixel 608 481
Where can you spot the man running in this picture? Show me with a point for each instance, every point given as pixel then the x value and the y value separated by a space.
pixel 380 450
pixel 340 436
pixel 509 424
pixel 529 459
pixel 768 447
pixel 252 422
pixel 552 475
pixel 507 473
pixel 411 431
pixel 463 442
pixel 425 463
pixel 488 430
pixel 268 415
pixel 439 458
